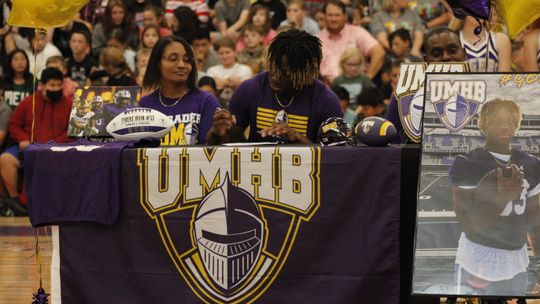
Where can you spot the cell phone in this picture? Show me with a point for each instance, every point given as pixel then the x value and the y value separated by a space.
pixel 507 171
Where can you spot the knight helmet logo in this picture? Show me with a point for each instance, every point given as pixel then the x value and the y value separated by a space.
pixel 229 233
pixel 456 109
pixel 410 93
pixel 456 102
pixel 229 216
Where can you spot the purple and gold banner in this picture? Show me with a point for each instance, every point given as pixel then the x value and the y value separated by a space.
pixel 242 225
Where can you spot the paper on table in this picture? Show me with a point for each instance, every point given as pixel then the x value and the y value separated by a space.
pixel 241 144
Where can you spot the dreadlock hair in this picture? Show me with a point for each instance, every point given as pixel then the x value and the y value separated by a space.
pixel 303 53
pixel 491 107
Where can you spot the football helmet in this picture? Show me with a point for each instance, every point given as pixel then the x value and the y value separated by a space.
pixel 122 98
pixel 335 131
pixel 83 106
pixel 97 102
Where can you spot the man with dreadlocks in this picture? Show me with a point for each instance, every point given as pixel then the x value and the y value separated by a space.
pixel 286 103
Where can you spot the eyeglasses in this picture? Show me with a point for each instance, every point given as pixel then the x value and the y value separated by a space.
pixel 174 58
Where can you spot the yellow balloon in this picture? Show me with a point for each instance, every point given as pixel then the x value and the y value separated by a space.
pixel 517 15
pixel 43 13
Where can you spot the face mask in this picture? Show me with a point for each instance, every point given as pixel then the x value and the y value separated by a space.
pixel 54 95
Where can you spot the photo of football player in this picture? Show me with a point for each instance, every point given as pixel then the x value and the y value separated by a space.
pixel 80 123
pixel 98 120
pixel 496 199
pixel 122 100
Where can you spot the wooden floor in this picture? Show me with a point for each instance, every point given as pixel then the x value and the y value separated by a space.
pixel 18 266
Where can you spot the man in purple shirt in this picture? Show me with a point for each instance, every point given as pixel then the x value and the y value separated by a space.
pixel 287 103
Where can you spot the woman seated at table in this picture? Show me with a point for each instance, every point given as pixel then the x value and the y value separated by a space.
pixel 172 74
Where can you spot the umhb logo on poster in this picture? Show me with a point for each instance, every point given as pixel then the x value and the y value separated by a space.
pixel 232 198
pixel 410 93
pixel 456 102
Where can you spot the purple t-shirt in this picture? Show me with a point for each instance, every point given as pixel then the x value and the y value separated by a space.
pixel 254 104
pixel 73 182
pixel 192 116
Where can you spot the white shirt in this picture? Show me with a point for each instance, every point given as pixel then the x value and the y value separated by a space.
pixel 237 70
pixel 48 51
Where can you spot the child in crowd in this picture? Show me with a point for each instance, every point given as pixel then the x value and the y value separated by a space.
pixel 277 10
pixel 118 39
pixel 17 82
pixel 69 85
pixel 184 23
pixel 198 6
pixel 352 78
pixel 229 73
pixel 348 115
pixel 370 103
pixel 200 62
pixel 254 55
pixel 319 17
pixel 116 17
pixel 41 47
pixel 136 8
pixel 153 15
pixel 150 36
pixel 231 16
pixel 393 16
pixel 48 122
pixel 296 17
pixel 203 49
pixel 400 46
pixel 208 84
pixel 61 35
pixel 5 114
pixel 141 62
pixel 118 71
pixel 387 89
pixel 80 64
pixel 259 15
pixel 432 12
pixel 97 78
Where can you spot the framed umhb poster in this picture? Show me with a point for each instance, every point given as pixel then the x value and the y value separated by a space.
pixel 478 223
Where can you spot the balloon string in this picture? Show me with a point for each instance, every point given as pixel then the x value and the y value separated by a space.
pixel 38 258
pixel 37 33
pixel 38 249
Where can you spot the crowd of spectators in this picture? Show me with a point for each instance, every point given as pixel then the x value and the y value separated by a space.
pixel 109 42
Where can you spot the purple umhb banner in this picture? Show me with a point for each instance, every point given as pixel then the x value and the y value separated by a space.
pixel 272 224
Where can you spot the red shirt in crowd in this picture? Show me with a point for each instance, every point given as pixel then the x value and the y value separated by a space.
pixel 51 123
